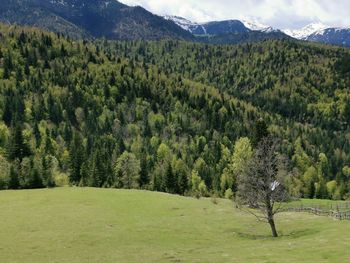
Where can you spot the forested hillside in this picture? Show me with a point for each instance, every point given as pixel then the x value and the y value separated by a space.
pixel 169 115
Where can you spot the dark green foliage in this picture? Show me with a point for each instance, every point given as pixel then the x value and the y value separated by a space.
pixel 170 180
pixel 13 178
pixel 260 132
pixel 77 158
pixel 35 180
pixel 17 148
pixel 343 65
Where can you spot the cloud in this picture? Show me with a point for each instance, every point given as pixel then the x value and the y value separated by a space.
pixel 278 13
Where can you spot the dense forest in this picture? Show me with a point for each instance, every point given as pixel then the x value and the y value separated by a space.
pixel 170 115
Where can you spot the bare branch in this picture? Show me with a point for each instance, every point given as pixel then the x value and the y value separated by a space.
pixel 261 186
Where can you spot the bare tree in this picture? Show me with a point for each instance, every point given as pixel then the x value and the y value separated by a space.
pixel 261 187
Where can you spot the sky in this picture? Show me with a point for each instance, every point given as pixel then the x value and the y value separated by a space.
pixel 282 14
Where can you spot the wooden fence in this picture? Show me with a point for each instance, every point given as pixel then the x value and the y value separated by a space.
pixel 337 213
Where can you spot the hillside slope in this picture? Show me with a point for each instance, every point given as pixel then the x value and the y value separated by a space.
pixel 100 225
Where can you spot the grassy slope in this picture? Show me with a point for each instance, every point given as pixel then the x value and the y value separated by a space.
pixel 99 225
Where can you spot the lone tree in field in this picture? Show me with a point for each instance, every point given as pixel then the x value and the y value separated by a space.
pixel 261 186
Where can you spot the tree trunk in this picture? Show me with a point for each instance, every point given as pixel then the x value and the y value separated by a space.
pixel 273 227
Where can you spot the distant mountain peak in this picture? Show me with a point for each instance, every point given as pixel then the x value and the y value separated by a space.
pixel 222 27
pixel 91 19
pixel 183 22
pixel 305 32
pixel 254 24
pixel 319 32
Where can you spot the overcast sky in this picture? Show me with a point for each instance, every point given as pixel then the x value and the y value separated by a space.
pixel 277 13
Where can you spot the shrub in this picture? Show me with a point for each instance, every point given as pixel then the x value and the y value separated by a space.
pixel 229 194
pixel 61 179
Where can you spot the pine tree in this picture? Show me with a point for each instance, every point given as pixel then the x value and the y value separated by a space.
pixel 170 181
pixel 17 148
pixel 260 132
pixel 37 134
pixel 144 177
pixel 35 179
pixel 13 178
pixel 77 158
pixel 47 175
pixel 182 183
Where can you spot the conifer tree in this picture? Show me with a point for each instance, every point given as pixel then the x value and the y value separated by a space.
pixel 17 147
pixel 77 158
pixel 170 181
pixel 13 178
pixel 260 132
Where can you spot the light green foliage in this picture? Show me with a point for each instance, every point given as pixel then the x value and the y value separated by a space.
pixel 310 178
pixel 331 188
pixel 199 189
pixel 156 121
pixel 242 154
pixel 225 158
pixel 229 194
pixel 163 153
pixel 346 171
pixel 127 169
pixel 4 172
pixel 4 135
pixel 61 179
pixel 202 188
pixel 195 180
pixel 300 158
pixel 323 165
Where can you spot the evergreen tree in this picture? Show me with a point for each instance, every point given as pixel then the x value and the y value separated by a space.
pixel 47 175
pixel 170 181
pixel 13 178
pixel 144 173
pixel 17 147
pixel 77 158
pixel 260 132
pixel 36 180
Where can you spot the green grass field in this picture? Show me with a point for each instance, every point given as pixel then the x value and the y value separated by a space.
pixel 105 225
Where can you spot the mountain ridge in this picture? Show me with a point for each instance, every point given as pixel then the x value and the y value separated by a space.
pixel 314 32
pixel 110 19
pixel 90 18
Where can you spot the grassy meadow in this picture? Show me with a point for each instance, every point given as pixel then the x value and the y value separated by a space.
pixel 105 225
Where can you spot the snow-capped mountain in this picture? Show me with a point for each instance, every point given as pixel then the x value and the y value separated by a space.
pixel 319 32
pixel 90 19
pixel 228 31
pixel 334 36
pixel 257 26
pixel 306 31
pixel 220 27
pixel 194 28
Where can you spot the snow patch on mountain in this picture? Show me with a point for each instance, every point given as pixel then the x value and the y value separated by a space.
pixel 255 25
pixel 182 22
pixel 305 32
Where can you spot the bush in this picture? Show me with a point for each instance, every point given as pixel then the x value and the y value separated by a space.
pixel 229 194
pixel 4 173
pixel 202 189
pixel 61 179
